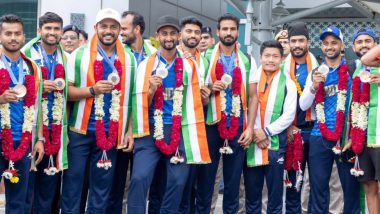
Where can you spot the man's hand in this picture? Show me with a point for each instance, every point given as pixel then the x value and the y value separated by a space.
pixel 205 92
pixel 219 86
pixel 154 82
pixel 347 145
pixel 375 79
pixel 49 86
pixel 128 142
pixel 38 148
pixel 8 96
pixel 290 131
pixel 102 87
pixel 259 135
pixel 318 77
pixel 246 138
pixel 263 144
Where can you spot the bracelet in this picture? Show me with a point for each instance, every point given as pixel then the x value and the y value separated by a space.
pixel 42 139
pixel 92 91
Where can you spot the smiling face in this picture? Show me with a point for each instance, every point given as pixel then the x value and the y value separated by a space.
pixel 191 35
pixel 128 31
pixel 108 31
pixel 12 36
pixel 168 37
pixel 51 33
pixel 362 44
pixel 331 47
pixel 228 32
pixel 271 59
pixel 70 41
pixel 299 46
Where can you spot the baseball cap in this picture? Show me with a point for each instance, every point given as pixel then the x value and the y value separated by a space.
pixel 365 31
pixel 71 28
pixel 283 34
pixel 332 30
pixel 108 13
pixel 206 30
pixel 167 20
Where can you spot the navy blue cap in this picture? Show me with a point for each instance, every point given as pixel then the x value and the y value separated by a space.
pixel 365 31
pixel 71 28
pixel 332 30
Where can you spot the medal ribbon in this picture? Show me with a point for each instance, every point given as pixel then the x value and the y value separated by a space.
pixel 20 65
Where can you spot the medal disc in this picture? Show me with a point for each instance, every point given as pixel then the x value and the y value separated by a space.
pixel 227 79
pixel 365 76
pixel 60 83
pixel 114 78
pixel 162 72
pixel 323 69
pixel 20 90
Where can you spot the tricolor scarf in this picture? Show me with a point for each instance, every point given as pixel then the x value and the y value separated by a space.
pixel 290 64
pixel 214 113
pixel 193 128
pixel 84 77
pixel 31 52
pixel 148 48
pixel 269 110
pixel 373 130
pixel 201 64
pixel 37 105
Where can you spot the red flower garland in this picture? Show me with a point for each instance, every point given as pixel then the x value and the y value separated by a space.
pixel 52 147
pixel 224 132
pixel 293 159
pixel 169 149
pixel 320 97
pixel 102 141
pixel 10 153
pixel 358 135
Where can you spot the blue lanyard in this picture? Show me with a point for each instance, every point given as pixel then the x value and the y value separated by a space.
pixel 20 65
pixel 230 66
pixel 140 57
pixel 109 61
pixel 50 64
pixel 167 66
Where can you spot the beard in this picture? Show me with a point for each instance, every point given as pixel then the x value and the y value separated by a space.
pixel 44 40
pixel 129 40
pixel 298 55
pixel 228 43
pixel 168 47
pixel 11 49
pixel 188 44
pixel 107 43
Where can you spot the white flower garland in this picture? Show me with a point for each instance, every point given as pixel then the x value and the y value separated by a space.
pixel 340 106
pixel 45 112
pixel 27 126
pixel 5 116
pixel 114 109
pixel 158 114
pixel 99 104
pixel 57 108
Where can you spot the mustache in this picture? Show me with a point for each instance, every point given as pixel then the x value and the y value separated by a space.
pixel 229 37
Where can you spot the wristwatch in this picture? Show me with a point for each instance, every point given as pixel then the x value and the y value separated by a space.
pixel 92 91
pixel 42 139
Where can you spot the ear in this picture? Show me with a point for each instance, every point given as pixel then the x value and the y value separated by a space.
pixel 217 32
pixel 39 31
pixel 137 29
pixel 157 36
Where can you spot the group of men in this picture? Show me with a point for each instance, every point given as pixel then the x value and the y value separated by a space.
pixel 173 112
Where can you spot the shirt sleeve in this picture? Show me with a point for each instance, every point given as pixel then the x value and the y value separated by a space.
pixel 253 74
pixel 307 98
pixel 289 111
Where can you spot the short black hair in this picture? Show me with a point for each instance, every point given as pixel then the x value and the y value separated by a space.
pixel 84 34
pixel 190 20
pixel 271 44
pixel 138 20
pixel 11 18
pixel 49 17
pixel 228 16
